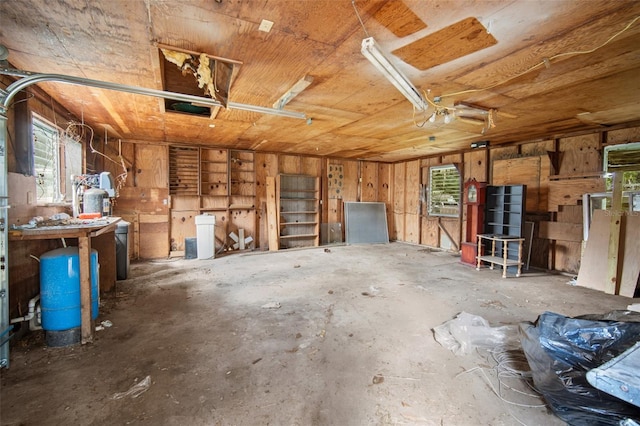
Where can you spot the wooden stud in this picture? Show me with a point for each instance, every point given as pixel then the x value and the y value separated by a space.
pixel 613 282
pixel 84 253
pixel 272 218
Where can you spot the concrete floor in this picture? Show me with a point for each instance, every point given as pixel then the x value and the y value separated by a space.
pixel 300 337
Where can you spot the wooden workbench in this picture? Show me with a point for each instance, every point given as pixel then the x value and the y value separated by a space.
pixel 83 232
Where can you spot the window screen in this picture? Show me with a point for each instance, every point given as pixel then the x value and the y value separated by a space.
pixel 55 159
pixel 45 161
pixel 444 191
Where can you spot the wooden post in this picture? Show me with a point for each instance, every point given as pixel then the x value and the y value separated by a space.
pixel 519 257
pixel 84 258
pixel 613 282
pixel 272 217
pixel 479 251
pixel 505 249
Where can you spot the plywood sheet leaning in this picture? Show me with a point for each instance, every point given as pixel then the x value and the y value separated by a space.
pixel 266 165
pixel 593 268
pixel 630 263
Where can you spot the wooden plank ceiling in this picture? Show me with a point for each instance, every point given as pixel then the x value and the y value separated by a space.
pixel 555 67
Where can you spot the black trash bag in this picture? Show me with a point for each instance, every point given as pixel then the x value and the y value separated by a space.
pixel 561 350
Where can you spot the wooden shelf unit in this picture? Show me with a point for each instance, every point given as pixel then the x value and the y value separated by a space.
pixel 500 243
pixel 298 205
pixel 214 179
pixel 504 222
pixel 183 170
pixel 505 215
pixel 214 172
pixel 504 210
pixel 210 180
pixel 242 185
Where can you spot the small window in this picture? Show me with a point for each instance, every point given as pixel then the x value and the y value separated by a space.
pixel 444 191
pixel 630 181
pixel 55 158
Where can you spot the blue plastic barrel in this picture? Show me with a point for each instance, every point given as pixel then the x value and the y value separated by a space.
pixel 60 288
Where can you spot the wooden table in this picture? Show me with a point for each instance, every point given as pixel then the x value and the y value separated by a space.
pixel 83 232
pixel 504 261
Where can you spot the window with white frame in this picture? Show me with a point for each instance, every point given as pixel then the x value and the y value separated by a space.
pixel 55 158
pixel 444 191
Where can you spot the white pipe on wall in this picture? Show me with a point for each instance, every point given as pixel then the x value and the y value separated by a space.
pixel 32 311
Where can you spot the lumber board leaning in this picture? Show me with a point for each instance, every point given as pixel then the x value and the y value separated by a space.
pixel 272 218
pixel 84 252
pixel 615 228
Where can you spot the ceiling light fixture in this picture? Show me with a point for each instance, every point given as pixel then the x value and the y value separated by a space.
pixel 374 54
pixel 476 114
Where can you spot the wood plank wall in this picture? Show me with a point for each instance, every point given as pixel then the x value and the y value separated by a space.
pixel 564 170
pixel 143 200
pixel 24 272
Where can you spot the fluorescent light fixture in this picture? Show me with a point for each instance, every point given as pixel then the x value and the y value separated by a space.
pixel 372 52
pixel 479 144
